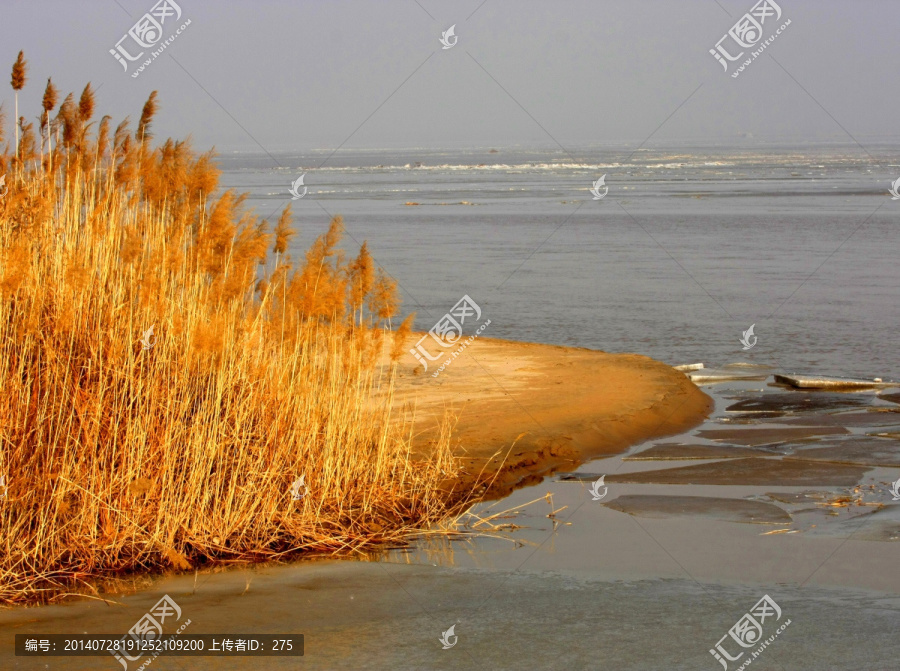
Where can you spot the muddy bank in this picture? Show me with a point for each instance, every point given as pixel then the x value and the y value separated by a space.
pixel 526 410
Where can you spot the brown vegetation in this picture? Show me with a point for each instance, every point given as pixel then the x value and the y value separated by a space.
pixel 166 381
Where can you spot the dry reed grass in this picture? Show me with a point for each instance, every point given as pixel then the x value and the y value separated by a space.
pixel 180 452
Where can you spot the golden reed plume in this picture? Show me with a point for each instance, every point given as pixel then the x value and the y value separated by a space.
pixel 166 379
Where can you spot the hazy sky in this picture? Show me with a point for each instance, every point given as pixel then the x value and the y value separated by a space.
pixel 303 75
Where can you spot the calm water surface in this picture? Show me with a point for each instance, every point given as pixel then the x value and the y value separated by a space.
pixel 689 247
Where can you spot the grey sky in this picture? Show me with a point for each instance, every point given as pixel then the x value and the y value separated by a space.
pixel 303 75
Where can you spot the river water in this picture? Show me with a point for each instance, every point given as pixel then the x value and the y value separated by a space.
pixel 689 247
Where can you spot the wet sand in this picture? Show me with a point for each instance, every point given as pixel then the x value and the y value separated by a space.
pixel 753 471
pixel 768 436
pixel 678 452
pixel 727 510
pixel 863 451
pixel 526 410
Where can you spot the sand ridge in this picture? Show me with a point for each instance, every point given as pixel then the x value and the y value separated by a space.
pixel 571 404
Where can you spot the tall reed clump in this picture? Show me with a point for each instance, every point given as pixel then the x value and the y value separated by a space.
pixel 176 389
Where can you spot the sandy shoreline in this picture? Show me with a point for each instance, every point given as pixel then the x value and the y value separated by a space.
pixel 665 542
pixel 527 409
